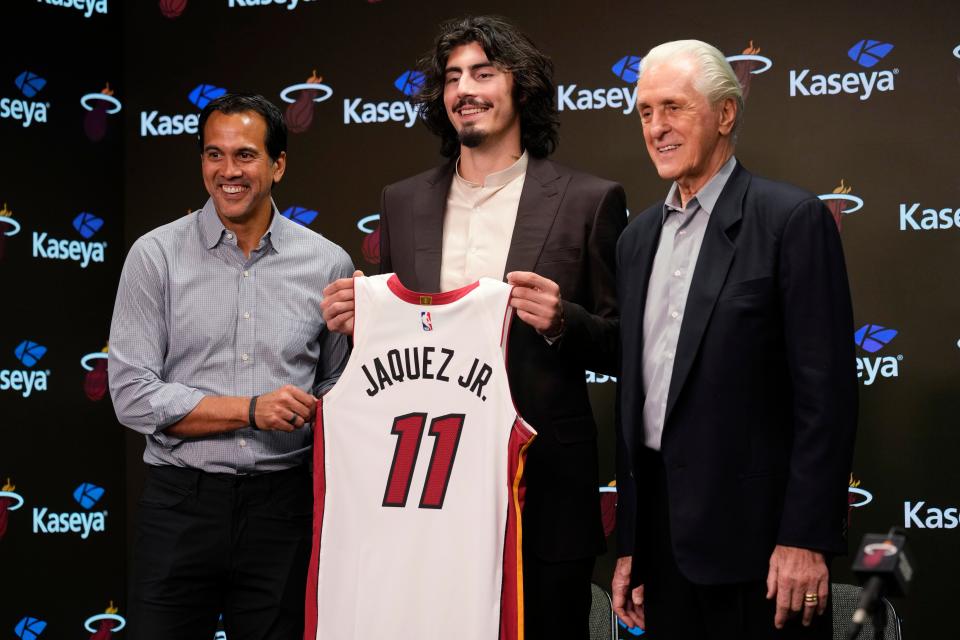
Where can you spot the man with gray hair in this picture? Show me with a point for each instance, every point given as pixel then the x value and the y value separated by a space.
pixel 738 394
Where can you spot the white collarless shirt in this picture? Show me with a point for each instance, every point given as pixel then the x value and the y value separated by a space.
pixel 478 225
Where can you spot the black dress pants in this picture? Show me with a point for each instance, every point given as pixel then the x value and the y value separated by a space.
pixel 211 544
pixel 678 609
pixel 556 598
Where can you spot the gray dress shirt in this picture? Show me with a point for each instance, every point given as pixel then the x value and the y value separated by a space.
pixel 673 266
pixel 195 317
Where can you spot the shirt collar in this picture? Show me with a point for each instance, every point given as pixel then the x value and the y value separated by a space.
pixel 212 229
pixel 500 178
pixel 707 196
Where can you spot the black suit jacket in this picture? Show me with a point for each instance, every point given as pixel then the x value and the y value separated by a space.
pixel 761 410
pixel 566 230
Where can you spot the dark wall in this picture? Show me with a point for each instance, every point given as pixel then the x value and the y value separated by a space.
pixel 893 148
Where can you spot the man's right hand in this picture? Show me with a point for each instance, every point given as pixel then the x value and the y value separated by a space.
pixel 337 305
pixel 627 604
pixel 286 409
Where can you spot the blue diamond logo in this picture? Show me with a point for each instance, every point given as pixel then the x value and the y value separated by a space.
pixel 87 224
pixel 867 53
pixel 29 628
pixel 409 82
pixel 29 353
pixel 30 83
pixel 203 94
pixel 300 215
pixel 87 494
pixel 627 68
pixel 872 337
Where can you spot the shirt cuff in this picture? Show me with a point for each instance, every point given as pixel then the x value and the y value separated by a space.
pixel 170 404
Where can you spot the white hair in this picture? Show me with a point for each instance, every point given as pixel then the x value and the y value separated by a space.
pixel 715 79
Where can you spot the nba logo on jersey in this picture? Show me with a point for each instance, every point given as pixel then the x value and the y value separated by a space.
pixel 425 321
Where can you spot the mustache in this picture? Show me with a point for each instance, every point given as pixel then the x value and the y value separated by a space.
pixel 472 102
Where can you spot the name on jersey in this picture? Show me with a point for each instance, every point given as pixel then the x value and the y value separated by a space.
pixel 424 363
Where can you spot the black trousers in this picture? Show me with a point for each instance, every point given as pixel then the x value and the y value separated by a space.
pixel 678 609
pixel 211 544
pixel 556 598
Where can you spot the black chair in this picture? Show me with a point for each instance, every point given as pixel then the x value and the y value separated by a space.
pixel 845 597
pixel 603 623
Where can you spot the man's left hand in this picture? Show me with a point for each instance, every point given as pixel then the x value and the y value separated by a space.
pixel 795 572
pixel 537 301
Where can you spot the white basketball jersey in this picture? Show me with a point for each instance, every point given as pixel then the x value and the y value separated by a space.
pixel 418 464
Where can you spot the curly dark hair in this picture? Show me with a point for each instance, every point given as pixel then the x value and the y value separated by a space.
pixel 508 49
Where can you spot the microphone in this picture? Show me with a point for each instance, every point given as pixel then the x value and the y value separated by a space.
pixel 884 567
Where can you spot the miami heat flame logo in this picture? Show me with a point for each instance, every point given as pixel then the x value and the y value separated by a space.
pixel 299 115
pixel 608 507
pixel 840 202
pixel 9 501
pixel 103 625
pixel 748 64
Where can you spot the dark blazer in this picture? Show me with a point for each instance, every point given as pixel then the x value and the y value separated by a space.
pixel 566 230
pixel 761 410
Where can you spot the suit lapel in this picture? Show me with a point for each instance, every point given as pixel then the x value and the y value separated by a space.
pixel 539 202
pixel 713 263
pixel 429 206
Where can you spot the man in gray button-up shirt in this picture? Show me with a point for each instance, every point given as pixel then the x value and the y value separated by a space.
pixel 218 351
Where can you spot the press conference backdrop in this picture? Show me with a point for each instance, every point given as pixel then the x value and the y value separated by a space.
pixel 98 113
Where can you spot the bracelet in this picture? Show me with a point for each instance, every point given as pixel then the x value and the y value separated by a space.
pixel 252 413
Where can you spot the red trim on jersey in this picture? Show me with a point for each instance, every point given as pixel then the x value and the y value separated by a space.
pixel 511 594
pixel 414 297
pixel 319 494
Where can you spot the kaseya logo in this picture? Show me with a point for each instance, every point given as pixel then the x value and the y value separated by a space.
pixel 82 251
pixel 301 98
pixel 98 105
pixel 370 247
pixel 867 54
pixel 29 628
pixel 95 383
pixel 289 4
pixel 872 338
pixel 154 123
pixel 104 625
pixel 10 500
pixel 360 111
pixel 26 380
pixel 570 97
pixel 8 227
pixel 841 202
pixel 917 515
pixel 84 522
pixel 914 217
pixel 25 109
pixel 89 7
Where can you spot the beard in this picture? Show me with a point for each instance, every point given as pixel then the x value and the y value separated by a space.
pixel 471 137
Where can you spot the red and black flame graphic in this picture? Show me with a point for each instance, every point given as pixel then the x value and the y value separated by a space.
pixel 299 115
pixel 172 8
pixel 105 624
pixel 371 246
pixel 838 206
pixel 3 236
pixel 745 68
pixel 95 122
pixel 608 508
pixel 95 383
pixel 5 503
